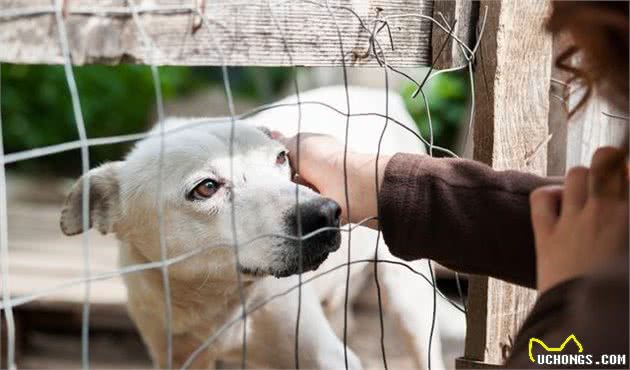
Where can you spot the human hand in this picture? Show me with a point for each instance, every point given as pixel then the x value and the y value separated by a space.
pixel 321 166
pixel 584 223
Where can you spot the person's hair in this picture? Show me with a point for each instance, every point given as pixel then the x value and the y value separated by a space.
pixel 598 34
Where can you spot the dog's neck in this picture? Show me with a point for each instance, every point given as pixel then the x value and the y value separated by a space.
pixel 205 297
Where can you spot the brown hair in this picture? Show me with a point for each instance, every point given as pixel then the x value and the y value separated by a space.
pixel 598 31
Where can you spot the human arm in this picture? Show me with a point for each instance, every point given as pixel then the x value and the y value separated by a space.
pixel 462 214
pixel 457 212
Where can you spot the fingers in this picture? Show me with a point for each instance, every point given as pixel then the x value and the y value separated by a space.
pixel 301 181
pixel 608 176
pixel 545 207
pixel 277 135
pixel 575 190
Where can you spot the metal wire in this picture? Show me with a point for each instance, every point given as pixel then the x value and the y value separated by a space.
pixel 260 305
pixel 4 254
pixel 345 184
pixel 431 145
pixel 159 104
pixel 21 300
pixel 232 112
pixel 84 143
pixel 298 219
pixel 59 148
pixel 85 168
pixel 433 313
pixel 379 298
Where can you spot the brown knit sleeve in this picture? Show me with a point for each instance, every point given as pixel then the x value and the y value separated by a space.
pixel 461 214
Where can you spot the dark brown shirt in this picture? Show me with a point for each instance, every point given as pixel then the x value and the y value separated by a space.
pixel 473 219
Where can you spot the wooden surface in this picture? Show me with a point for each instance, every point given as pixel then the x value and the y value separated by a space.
pixel 590 129
pixel 464 13
pixel 41 258
pixel 558 113
pixel 512 80
pixel 103 31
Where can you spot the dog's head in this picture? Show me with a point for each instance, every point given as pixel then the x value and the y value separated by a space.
pixel 200 199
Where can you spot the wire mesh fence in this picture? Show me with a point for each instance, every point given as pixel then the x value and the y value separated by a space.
pixel 375 28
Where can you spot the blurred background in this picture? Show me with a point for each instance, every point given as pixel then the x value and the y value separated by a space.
pixel 36 111
pixel 116 100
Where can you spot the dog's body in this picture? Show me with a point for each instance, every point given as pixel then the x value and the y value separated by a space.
pixel 198 187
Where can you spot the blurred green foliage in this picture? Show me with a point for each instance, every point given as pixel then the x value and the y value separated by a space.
pixel 37 108
pixel 37 111
pixel 115 100
pixel 447 95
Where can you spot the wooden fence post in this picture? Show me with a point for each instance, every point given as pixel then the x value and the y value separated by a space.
pixel 512 82
pixel 465 12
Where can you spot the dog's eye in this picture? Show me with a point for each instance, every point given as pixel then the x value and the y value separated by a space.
pixel 204 190
pixel 281 158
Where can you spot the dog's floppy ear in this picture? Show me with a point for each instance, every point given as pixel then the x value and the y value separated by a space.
pixel 104 201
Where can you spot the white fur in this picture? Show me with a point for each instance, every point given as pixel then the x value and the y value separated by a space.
pixel 204 290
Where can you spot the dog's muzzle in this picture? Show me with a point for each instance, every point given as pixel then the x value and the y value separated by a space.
pixel 319 219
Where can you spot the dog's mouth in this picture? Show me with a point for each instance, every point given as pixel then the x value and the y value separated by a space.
pixel 311 263
pixel 314 253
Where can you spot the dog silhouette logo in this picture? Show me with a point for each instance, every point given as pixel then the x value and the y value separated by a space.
pixel 554 349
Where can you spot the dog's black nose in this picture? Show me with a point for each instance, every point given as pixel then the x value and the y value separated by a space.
pixel 319 213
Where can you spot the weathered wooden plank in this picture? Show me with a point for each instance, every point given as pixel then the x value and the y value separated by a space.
pixel 521 80
pixel 512 107
pixel 42 258
pixel 597 124
pixel 558 114
pixel 463 13
pixel 235 33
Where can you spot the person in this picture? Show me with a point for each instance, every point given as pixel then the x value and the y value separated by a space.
pixel 568 240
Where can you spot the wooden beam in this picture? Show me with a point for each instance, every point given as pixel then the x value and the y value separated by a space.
pixel 512 80
pixel 104 31
pixel 464 14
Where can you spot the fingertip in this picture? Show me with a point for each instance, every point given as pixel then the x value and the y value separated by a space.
pixel 608 174
pixel 545 205
pixel 575 189
pixel 277 135
pixel 605 157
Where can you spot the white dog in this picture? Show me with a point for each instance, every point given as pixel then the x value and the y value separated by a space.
pixel 199 186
